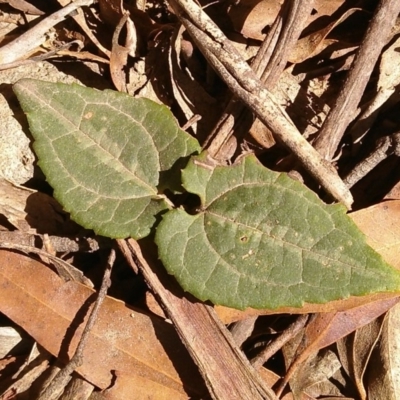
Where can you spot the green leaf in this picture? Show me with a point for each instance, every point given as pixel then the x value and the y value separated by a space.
pixel 103 153
pixel 263 240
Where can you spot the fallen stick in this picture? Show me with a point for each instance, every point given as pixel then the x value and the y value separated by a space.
pixel 34 37
pixel 244 84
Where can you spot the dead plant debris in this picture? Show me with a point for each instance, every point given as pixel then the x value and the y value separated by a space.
pixel 311 87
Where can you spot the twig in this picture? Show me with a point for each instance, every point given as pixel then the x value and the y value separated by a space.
pixel 243 82
pixel 33 38
pixel 226 371
pixel 64 269
pixel 41 57
pixel 385 147
pixel 61 244
pixel 79 18
pixel 345 108
pixel 389 79
pixel 288 334
pixel 223 130
pixel 268 65
pixel 367 117
pixel 195 118
pixel 59 382
pixel 294 17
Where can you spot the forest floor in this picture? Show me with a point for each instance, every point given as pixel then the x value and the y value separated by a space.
pixel 307 89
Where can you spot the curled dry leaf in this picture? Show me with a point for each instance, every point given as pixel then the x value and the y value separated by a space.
pixel 23 6
pixel 252 17
pixel 315 42
pixel 122 339
pixel 355 351
pixel 313 379
pixel 119 55
pixel 327 328
pixel 111 12
pixel 383 378
pixel 188 92
pixel 80 19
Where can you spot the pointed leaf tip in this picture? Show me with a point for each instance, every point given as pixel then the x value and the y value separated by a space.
pixel 263 240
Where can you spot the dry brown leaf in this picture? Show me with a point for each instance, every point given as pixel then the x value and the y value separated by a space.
pixel 23 6
pixel 327 328
pixel 150 77
pixel 119 56
pixel 52 312
pixel 355 351
pixel 33 212
pixel 153 305
pixel 389 68
pixel 79 18
pixel 271 379
pixel 383 381
pixel 122 389
pixel 381 224
pixel 83 55
pixel 325 8
pixel 315 42
pixel 229 315
pixel 394 193
pixel 111 11
pixel 251 17
pixel 313 378
pixel 187 91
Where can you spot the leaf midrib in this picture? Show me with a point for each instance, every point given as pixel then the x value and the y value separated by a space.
pixel 283 243
pixel 136 179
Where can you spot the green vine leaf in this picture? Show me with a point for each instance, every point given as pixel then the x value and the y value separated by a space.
pixel 263 240
pixel 107 155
